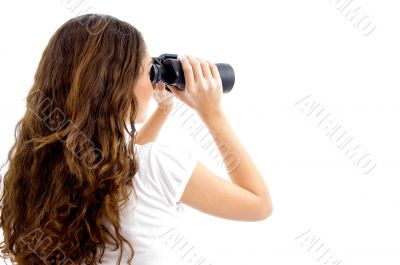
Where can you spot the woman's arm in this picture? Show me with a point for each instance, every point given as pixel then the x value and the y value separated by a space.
pixel 152 127
pixel 246 196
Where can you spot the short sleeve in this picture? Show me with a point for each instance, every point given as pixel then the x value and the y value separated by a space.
pixel 173 165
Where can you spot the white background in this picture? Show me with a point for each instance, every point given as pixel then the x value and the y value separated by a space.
pixel 282 52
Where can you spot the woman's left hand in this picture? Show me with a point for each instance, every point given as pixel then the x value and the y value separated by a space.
pixel 164 98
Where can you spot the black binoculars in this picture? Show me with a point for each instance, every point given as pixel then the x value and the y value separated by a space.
pixel 167 69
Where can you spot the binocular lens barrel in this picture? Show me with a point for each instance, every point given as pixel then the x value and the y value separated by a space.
pixel 168 69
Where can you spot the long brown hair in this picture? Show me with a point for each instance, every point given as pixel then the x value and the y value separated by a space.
pixel 72 163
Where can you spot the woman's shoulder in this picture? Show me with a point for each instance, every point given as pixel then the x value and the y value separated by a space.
pixel 168 164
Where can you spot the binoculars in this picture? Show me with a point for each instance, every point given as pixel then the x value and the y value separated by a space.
pixel 167 69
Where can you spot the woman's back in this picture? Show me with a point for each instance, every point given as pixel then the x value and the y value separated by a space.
pixel 151 219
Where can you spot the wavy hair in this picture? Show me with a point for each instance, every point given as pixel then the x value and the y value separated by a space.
pixel 72 165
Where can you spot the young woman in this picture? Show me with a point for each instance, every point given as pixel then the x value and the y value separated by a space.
pixel 67 194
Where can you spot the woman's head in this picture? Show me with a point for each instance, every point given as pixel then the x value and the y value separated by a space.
pixel 70 167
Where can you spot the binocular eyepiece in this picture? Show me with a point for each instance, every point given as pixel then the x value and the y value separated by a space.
pixel 168 69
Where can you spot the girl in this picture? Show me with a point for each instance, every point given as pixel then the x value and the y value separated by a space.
pixel 80 185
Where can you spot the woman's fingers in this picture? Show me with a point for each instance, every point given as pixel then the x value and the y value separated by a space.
pixel 197 72
pixel 159 86
pixel 178 93
pixel 187 71
pixel 205 68
pixel 214 71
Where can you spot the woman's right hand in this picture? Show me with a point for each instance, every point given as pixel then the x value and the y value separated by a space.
pixel 203 86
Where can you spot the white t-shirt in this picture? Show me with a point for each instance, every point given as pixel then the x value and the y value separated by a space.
pixel 151 221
